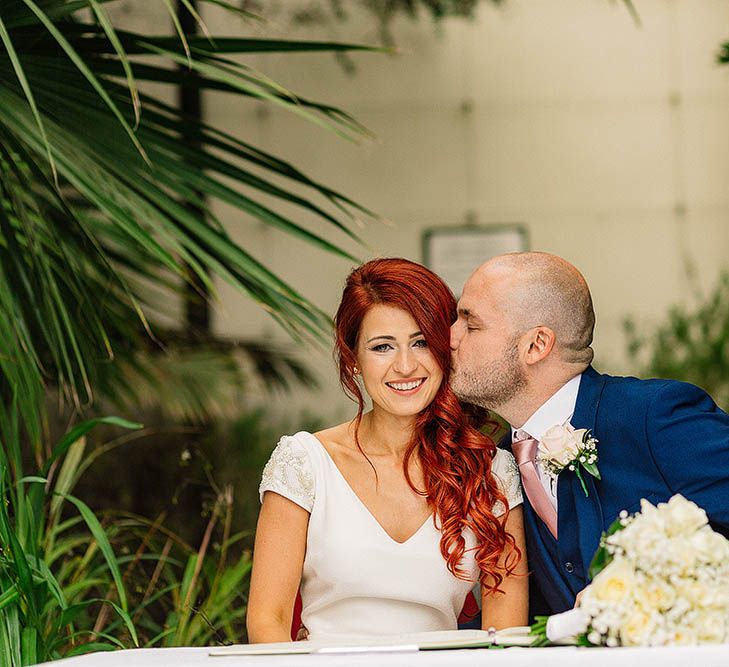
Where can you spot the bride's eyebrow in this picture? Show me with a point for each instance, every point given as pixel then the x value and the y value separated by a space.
pixel 412 335
pixel 381 338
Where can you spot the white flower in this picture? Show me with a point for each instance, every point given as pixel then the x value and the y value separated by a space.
pixel 710 546
pixel 636 628
pixel 684 635
pixel 656 594
pixel 712 627
pixel 561 444
pixel 699 594
pixel 614 583
pixel 683 516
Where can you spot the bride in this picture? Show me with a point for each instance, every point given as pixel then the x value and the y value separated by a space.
pixel 386 522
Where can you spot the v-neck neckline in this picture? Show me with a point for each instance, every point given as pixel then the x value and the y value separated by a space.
pixel 362 504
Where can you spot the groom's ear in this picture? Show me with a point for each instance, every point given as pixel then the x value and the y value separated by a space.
pixel 539 343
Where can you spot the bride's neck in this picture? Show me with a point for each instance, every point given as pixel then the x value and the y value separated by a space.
pixel 385 434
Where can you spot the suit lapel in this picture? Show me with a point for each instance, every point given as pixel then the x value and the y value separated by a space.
pixel 585 526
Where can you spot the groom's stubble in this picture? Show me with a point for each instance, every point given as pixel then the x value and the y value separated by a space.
pixel 491 384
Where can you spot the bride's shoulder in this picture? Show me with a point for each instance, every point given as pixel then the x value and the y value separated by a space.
pixel 504 463
pixel 335 438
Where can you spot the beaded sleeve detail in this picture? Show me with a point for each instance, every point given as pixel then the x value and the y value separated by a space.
pixel 506 472
pixel 289 473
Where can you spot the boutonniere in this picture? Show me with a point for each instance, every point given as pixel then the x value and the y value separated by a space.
pixel 566 447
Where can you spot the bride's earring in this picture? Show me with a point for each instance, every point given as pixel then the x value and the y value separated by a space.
pixel 355 370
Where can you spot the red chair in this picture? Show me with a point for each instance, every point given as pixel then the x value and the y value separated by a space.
pixel 296 618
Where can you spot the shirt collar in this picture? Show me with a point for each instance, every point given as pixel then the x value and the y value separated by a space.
pixel 556 411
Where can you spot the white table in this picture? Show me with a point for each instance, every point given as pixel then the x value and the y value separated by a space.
pixel 700 656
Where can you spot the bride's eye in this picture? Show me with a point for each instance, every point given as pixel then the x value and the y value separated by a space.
pixel 382 347
pixel 421 342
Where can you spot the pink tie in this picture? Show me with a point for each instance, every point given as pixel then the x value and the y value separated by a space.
pixel 525 451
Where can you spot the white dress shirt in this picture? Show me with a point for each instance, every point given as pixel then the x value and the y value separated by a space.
pixel 556 411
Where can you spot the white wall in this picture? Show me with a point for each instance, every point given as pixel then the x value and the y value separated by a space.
pixel 608 140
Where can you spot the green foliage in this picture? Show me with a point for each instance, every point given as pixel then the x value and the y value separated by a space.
pixel 603 557
pixel 723 55
pixel 53 573
pixel 201 382
pixel 692 344
pixel 103 208
pixel 97 191
pixel 182 595
pixel 178 471
pixel 71 583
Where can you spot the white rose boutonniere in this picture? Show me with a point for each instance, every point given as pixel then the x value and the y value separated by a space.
pixel 566 447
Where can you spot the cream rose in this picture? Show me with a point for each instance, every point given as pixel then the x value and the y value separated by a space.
pixel 656 594
pixel 561 444
pixel 712 627
pixel 710 547
pixel 614 583
pixel 636 628
pixel 684 517
pixel 699 594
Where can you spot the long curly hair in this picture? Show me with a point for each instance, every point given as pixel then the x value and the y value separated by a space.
pixel 455 456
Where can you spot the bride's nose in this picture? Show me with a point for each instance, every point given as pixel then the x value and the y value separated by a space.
pixel 405 361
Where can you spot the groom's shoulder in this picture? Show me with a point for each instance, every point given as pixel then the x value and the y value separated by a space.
pixel 628 387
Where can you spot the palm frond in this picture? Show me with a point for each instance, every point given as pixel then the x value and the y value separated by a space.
pixel 96 187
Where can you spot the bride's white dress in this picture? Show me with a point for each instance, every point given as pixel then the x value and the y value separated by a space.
pixel 356 579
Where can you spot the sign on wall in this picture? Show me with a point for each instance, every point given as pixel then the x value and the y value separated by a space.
pixel 454 252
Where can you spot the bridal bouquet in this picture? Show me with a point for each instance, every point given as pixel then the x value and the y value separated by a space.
pixel 659 577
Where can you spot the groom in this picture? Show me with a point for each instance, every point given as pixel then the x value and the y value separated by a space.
pixel 521 347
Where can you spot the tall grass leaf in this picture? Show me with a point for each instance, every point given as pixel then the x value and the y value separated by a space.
pixel 70 613
pixel 115 641
pixel 127 621
pixel 81 430
pixel 158 637
pixel 29 645
pixel 8 596
pixel 25 577
pixel 91 647
pixel 10 637
pixel 103 542
pixel 67 477
pixel 53 586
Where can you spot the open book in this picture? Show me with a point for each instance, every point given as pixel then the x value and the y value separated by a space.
pixel 413 641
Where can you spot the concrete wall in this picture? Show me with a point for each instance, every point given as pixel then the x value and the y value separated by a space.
pixel 609 141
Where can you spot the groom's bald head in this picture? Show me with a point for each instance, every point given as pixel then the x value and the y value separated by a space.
pixel 539 289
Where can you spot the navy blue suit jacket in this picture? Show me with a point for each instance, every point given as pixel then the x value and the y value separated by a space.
pixel 655 438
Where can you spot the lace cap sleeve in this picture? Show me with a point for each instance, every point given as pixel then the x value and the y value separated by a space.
pixel 289 473
pixel 506 472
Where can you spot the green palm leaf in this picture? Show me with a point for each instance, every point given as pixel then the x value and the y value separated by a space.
pixel 96 187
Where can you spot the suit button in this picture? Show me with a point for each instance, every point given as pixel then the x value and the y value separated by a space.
pixel 569 567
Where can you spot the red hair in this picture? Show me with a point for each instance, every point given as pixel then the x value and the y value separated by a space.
pixel 456 458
